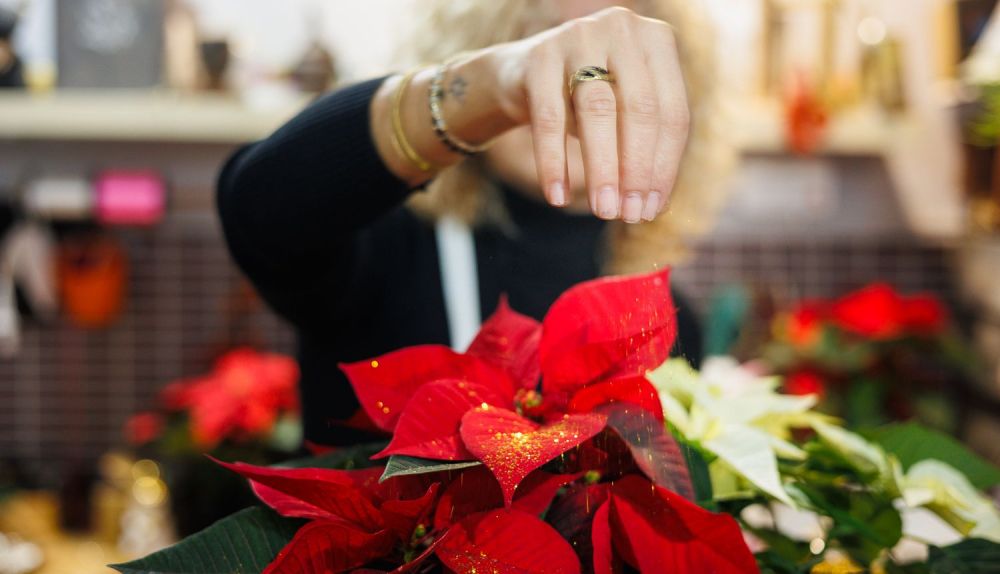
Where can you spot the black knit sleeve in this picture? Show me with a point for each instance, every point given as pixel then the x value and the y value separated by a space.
pixel 294 205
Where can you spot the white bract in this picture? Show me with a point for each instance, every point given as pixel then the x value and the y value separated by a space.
pixel 949 494
pixel 736 415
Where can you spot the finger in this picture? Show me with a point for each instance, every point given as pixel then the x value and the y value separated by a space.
pixel 595 111
pixel 547 104
pixel 639 119
pixel 668 80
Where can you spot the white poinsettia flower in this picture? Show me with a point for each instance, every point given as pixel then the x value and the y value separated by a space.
pixel 944 490
pixel 736 415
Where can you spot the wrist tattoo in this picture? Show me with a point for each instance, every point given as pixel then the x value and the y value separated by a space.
pixel 457 89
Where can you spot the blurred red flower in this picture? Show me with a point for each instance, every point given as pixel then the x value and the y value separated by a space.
pixel 242 396
pixel 143 428
pixel 804 325
pixel 924 314
pixel 879 312
pixel 874 312
pixel 805 382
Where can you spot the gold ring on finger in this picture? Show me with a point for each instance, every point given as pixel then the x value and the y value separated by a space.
pixel 589 74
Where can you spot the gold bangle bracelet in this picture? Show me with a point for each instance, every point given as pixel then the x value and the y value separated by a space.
pixel 399 140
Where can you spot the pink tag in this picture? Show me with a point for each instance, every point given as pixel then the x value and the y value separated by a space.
pixel 130 197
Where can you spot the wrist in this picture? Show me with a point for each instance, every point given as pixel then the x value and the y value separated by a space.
pixel 474 103
pixel 506 83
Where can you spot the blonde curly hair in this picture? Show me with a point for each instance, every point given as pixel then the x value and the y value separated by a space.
pixel 448 27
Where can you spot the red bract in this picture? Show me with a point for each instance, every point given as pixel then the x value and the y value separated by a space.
pixel 512 446
pixel 384 385
pixel 507 542
pixel 634 390
pixel 476 490
pixel 607 328
pixel 654 451
pixel 655 530
pixel 509 340
pixel 429 427
pixel 355 520
pixel 326 546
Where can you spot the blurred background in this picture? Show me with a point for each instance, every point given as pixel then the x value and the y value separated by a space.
pixel 856 250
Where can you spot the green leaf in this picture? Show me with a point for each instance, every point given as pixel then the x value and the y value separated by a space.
pixel 771 562
pixel 783 553
pixel 972 556
pixel 409 465
pixel 912 443
pixel 865 404
pixel 244 543
pixel 858 515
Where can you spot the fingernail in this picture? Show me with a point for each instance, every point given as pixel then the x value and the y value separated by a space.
pixel 607 203
pixel 557 194
pixel 652 207
pixel 632 208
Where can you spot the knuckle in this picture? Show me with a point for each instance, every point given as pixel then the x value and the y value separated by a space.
pixel 580 28
pixel 642 105
pixel 548 119
pixel 598 103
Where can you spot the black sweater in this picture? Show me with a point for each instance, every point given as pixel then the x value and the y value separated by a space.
pixel 318 224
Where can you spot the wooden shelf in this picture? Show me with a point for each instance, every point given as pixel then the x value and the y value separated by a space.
pixel 137 116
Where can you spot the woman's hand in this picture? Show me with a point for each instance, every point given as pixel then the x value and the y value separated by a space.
pixel 632 133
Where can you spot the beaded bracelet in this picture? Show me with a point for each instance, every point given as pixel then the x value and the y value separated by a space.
pixel 437 118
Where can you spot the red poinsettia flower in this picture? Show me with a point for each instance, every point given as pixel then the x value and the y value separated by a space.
pixel 592 349
pixel 242 396
pixel 533 407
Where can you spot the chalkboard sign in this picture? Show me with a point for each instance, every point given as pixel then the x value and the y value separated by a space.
pixel 110 43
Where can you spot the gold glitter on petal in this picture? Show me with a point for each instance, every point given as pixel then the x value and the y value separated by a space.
pixel 512 446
